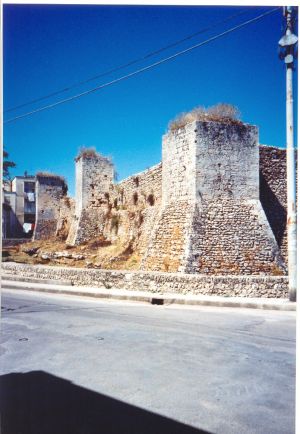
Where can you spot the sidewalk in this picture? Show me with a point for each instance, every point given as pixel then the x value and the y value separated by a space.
pixel 66 288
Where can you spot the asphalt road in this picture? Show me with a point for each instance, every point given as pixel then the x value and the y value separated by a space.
pixel 78 366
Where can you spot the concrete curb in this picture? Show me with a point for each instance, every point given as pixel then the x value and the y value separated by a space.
pixel 38 285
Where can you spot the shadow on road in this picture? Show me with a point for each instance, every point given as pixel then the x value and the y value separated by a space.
pixel 40 403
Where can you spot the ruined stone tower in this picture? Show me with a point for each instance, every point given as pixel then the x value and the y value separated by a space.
pixel 50 190
pixel 211 219
pixel 94 175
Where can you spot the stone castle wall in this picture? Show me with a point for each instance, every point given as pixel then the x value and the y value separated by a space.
pixel 50 193
pixel 227 162
pixel 135 203
pixel 212 220
pixel 122 212
pixel 273 195
pixel 94 175
pixel 142 188
pixel 215 205
pixel 66 211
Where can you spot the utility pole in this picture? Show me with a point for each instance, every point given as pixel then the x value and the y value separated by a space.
pixel 288 50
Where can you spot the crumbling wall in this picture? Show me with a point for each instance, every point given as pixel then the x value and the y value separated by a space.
pixel 211 197
pixel 215 205
pixel 133 206
pixel 66 211
pixel 50 190
pixel 94 176
pixel 143 188
pixel 119 213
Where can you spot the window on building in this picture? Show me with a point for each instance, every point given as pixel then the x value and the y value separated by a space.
pixel 29 187
pixel 29 207
pixel 29 218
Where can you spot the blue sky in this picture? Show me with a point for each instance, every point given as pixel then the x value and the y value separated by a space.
pixel 47 48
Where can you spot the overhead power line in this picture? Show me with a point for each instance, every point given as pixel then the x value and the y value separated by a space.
pixel 146 68
pixel 130 63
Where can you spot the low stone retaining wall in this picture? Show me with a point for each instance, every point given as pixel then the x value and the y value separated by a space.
pixel 157 282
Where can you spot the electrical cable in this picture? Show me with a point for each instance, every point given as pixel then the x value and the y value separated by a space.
pixel 125 65
pixel 146 68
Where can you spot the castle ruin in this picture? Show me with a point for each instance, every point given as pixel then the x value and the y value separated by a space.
pixel 94 175
pixel 51 193
pixel 215 205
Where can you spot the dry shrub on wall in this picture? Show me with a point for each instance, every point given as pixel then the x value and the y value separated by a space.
pixel 92 153
pixel 46 174
pixel 224 112
pixel 53 177
pixel 218 113
pixel 86 152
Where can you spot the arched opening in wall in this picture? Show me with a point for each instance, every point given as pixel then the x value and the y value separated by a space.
pixel 106 195
pixel 136 181
pixel 115 203
pixel 135 198
pixel 151 199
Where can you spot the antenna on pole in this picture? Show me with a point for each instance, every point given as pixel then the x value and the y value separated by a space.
pixel 288 53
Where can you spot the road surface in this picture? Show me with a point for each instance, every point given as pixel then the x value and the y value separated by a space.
pixel 80 366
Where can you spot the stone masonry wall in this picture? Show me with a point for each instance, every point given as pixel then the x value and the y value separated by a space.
pixel 179 166
pixel 121 213
pixel 166 249
pixel 66 211
pixel 50 190
pixel 227 161
pixel 210 197
pixel 233 237
pixel 94 175
pixel 144 188
pixel 273 194
pixel 134 204
pixel 215 205
pixel 159 283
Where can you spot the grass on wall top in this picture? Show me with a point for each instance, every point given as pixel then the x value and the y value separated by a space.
pixel 225 113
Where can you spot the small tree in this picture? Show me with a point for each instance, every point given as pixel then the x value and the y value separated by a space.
pixel 7 165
